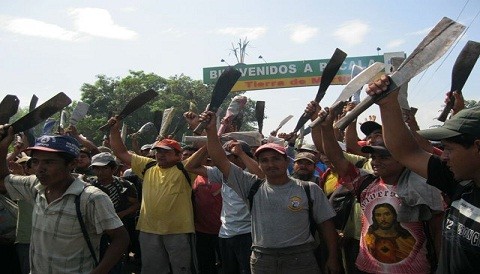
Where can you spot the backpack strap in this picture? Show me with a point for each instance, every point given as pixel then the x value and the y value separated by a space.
pixel 83 227
pixel 306 188
pixel 185 172
pixel 366 181
pixel 148 166
pixel 253 189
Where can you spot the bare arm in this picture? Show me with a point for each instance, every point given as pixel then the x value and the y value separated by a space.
pixel 116 143
pixel 397 136
pixel 331 147
pixel 250 163
pixel 194 163
pixel 214 146
pixel 330 236
pixel 72 131
pixel 119 243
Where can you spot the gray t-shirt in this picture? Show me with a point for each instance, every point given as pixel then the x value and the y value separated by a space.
pixel 235 216
pixel 280 212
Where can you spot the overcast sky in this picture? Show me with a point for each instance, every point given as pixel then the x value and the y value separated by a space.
pixel 51 46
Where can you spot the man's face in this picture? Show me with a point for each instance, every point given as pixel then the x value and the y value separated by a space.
pixel 50 168
pixel 384 218
pixel 375 137
pixel 166 157
pixel 272 163
pixel 304 168
pixel 463 162
pixel 384 166
pixel 104 173
pixel 83 160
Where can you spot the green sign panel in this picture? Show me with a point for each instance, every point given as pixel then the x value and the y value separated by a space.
pixel 294 73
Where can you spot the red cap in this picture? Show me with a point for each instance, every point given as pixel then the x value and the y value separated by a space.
pixel 168 144
pixel 278 148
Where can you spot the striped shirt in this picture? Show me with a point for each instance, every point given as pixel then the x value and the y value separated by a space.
pixel 57 243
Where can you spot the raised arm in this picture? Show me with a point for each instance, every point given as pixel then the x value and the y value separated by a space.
pixel 116 143
pixel 398 138
pixel 250 163
pixel 4 143
pixel 331 147
pixel 214 146
pixel 194 163
pixel 72 131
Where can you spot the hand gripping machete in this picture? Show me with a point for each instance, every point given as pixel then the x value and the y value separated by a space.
pixel 461 70
pixel 134 104
pixel 223 86
pixel 353 86
pixel 328 74
pixel 432 47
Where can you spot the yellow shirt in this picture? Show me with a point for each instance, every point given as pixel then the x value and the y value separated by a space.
pixel 166 206
pixel 331 183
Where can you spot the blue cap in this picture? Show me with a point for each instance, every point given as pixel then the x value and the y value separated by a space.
pixel 56 143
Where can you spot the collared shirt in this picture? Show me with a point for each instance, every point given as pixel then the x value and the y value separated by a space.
pixel 57 243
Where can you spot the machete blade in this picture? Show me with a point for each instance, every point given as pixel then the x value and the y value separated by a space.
pixel 223 86
pixel 8 108
pixel 134 104
pixel 461 70
pixel 328 74
pixel 354 85
pixel 41 113
pixel 432 47
pixel 33 103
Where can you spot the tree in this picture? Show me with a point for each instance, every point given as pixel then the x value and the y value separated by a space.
pixel 107 96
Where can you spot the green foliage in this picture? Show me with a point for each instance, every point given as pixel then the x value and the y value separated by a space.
pixel 107 96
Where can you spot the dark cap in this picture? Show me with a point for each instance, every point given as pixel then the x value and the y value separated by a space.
pixel 272 146
pixel 56 143
pixel 466 121
pixel 309 148
pixel 305 156
pixel 370 126
pixel 378 149
pixel 245 147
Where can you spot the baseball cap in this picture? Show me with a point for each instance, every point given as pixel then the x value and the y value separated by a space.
pixel 102 159
pixel 377 149
pixel 273 146
pixel 305 156
pixel 370 126
pixel 245 147
pixel 308 147
pixel 56 143
pixel 168 144
pixel 466 121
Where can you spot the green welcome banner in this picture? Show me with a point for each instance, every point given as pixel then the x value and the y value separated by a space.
pixel 294 73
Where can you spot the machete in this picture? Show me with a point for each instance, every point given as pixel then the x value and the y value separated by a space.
pixel 134 104
pixel 224 84
pixel 353 86
pixel 8 108
pixel 33 103
pixel 328 74
pixel 41 113
pixel 260 114
pixel 461 70
pixel 432 47
pixel 283 122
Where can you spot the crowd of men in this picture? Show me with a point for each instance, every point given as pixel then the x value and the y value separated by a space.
pixel 391 202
